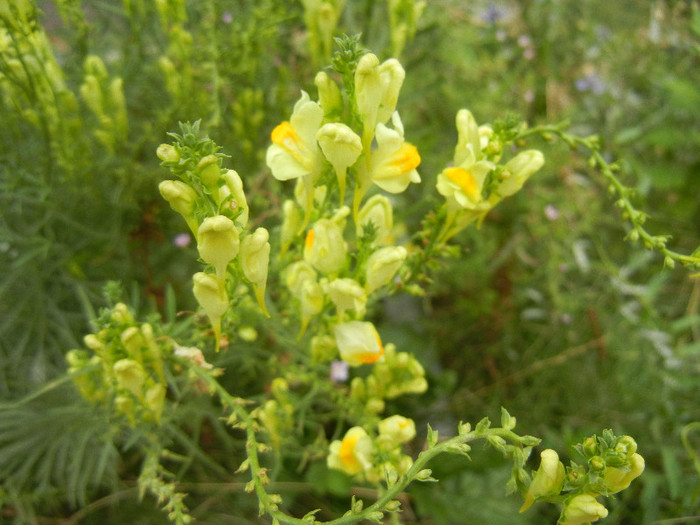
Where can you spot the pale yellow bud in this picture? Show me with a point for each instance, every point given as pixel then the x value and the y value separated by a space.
pixel 378 211
pixel 382 265
pixel 218 242
pixel 329 97
pixel 324 247
pixel 211 296
pixel 254 259
pixel 155 400
pixel 181 198
pixel 291 224
pixel 392 75
pixel 583 508
pixel 209 171
pixel 548 480
pixel 368 89
pixel 342 147
pixel 121 314
pixel 93 343
pixel 358 343
pixel 130 375
pixel 297 274
pixel 234 183
pixel 167 153
pixel 518 170
pixel 347 294
pixel 132 340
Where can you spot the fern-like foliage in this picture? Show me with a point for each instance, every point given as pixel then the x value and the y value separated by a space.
pixel 55 444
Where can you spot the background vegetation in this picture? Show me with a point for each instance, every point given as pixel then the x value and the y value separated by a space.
pixel 549 312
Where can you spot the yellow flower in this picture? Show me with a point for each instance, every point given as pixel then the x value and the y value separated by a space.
pixel 130 375
pixel 234 187
pixel 518 170
pixel 462 184
pixel 358 343
pixel 382 265
pixel 393 164
pixel 616 479
pixel 218 242
pixel 255 258
pixel 347 294
pixel 548 480
pixel 352 454
pixel 396 430
pixel 342 147
pixel 294 152
pixel 378 211
pixel 324 246
pixel 211 296
pixel 181 198
pixel 583 508
pixel 377 89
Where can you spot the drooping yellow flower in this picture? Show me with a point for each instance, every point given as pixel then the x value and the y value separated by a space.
pixel 353 453
pixel 382 265
pixel 211 296
pixel 218 242
pixel 393 164
pixel 342 147
pixel 583 508
pixel 548 480
pixel 254 259
pixel 358 343
pixel 517 171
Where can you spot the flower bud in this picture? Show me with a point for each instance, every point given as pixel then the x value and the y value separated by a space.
pixel 581 509
pixel 291 223
pixel 548 480
pixel 358 343
pixel 209 172
pixel 211 296
pixel 130 375
pixel 254 259
pixel 218 242
pixel 329 97
pixel 392 75
pixel 133 341
pixel 324 247
pixel 167 153
pixel 93 343
pixel 297 274
pixel 368 89
pixel 235 186
pixel 378 211
pixel 347 294
pixel 616 479
pixel 353 454
pixel 181 198
pixel 342 147
pixel 121 314
pixel 519 169
pixel 382 265
pixel 155 400
pixel 396 430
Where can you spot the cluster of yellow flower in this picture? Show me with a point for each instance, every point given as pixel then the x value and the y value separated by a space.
pixel 125 369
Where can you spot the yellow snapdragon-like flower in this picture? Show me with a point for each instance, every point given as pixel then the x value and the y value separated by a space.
pixel 393 164
pixel 218 242
pixel 377 89
pixel 211 296
pixel 583 508
pixel 353 453
pixel 382 266
pixel 254 259
pixel 548 480
pixel 358 343
pixel 342 147
pixel 462 184
pixel 294 152
pixel 324 246
pixel 379 212
pixel 616 479
pixel 347 294
pixel 396 430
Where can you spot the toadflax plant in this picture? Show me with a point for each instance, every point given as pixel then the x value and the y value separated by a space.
pixel 305 294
